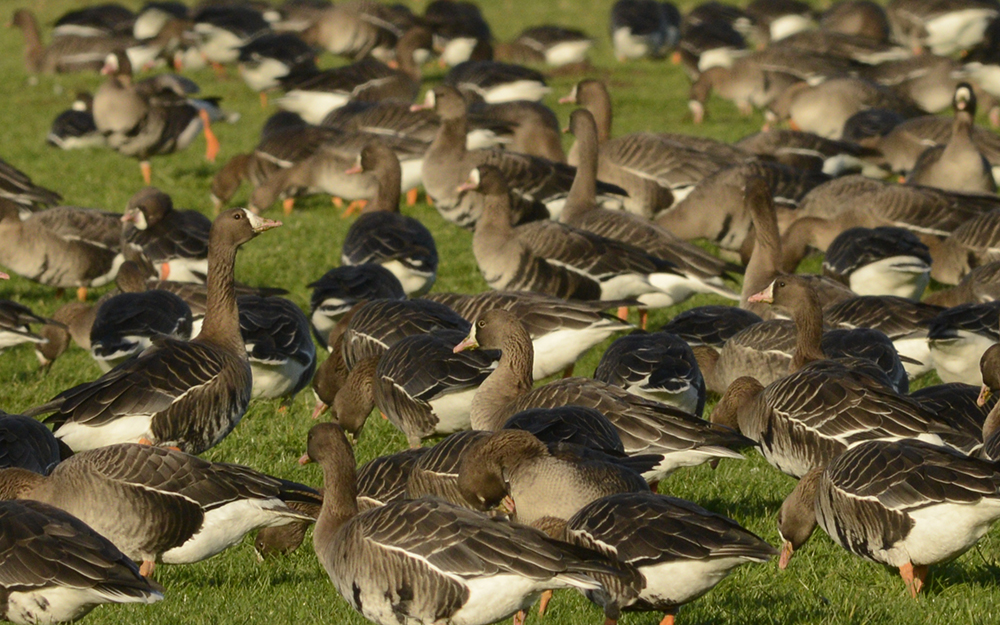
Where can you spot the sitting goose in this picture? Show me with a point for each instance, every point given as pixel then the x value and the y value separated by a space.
pixel 552 258
pixel 958 337
pixel 184 394
pixel 382 235
pixel 17 187
pixel 957 165
pixel 278 344
pixel 905 504
pixel 57 569
pixel 879 261
pixel 339 289
pixel 175 242
pixel 161 505
pixel 561 330
pixel 645 427
pixel 460 566
pixel 27 444
pixel 15 323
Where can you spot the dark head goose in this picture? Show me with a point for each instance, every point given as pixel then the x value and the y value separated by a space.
pixel 990 366
pixel 184 394
pixel 461 567
pixel 175 242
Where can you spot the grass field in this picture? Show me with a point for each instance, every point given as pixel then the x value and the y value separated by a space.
pixel 824 584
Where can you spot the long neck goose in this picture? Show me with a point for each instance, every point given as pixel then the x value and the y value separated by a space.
pixel 645 427
pixel 435 473
pixel 17 187
pixel 703 272
pixel 162 505
pixel 958 165
pixel 561 330
pixel 339 289
pixel 879 261
pixel 62 247
pixel 658 366
pixel 538 186
pixel 972 244
pixel 462 567
pixel 982 284
pixel 542 481
pixel 549 257
pixel 149 117
pixel 958 337
pixel 27 444
pixel 57 569
pixel 175 242
pixel 632 528
pixel 332 373
pixel 643 28
pixel 382 235
pixel 905 504
pixel 15 324
pixel 183 394
pixel 67 52
pixel 278 344
pixel 555 46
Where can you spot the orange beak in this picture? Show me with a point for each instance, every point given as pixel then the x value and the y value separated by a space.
pixel 787 551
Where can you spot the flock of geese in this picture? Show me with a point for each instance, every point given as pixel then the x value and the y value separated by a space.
pixel 532 488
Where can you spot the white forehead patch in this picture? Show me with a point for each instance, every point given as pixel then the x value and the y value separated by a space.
pixel 475 176
pixel 255 221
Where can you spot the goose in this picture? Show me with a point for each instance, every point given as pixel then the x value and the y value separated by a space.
pixel 460 31
pixel 220 31
pixel 183 394
pixel 975 242
pixel 340 288
pixel 657 366
pixel 775 21
pixel 879 261
pixel 707 44
pixel 15 323
pixel 17 187
pixel 173 241
pixel 538 186
pixel 559 260
pixel 944 28
pixel 74 128
pixel 703 272
pixel 462 567
pixel 555 46
pixel 435 473
pixel 573 425
pixel 95 21
pixel 161 505
pixel 664 540
pixel 906 504
pixel 331 374
pixel 710 325
pixel 927 80
pixel 57 569
pixel 381 235
pixel 646 427
pixel 27 444
pixel 958 165
pixel 354 29
pixel 978 286
pixel 66 52
pixel 806 150
pixel 61 247
pixel 149 117
pixel 493 82
pixel 856 17
pixel 958 337
pixel 958 404
pixel 643 28
pixel 73 321
pixel 265 62
pixel 902 143
pixel 542 481
pixel 561 330
pixel 278 345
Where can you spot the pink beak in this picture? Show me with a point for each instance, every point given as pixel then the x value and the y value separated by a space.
pixel 786 555
pixel 357 169
pixel 127 217
pixel 766 296
pixel 567 99
pixel 467 343
pixel 305 459
pixel 4 276
pixel 319 409
pixel 984 395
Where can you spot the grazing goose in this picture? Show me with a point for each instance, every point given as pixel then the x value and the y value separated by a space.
pixel 495 82
pixel 331 374
pixel 879 261
pixel 73 321
pixel 552 258
pixel 66 52
pixel 15 323
pixel 657 366
pixel 61 247
pixel 645 427
pixel 149 117
pixel 183 394
pixel 982 284
pixel 555 46
pixel 905 504
pixel 161 505
pixel 959 336
pixel 542 481
pixel 27 444
pixel 976 242
pixel 383 236
pixel 538 186
pixel 173 241
pixel 459 566
pixel 435 474
pixel 958 165
pixel 18 188
pixel 339 289
pixel 561 330
pixel 56 569
pixel 643 28
pixel 278 345
pixel 679 550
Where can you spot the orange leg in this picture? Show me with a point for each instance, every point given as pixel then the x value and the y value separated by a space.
pixel 81 294
pixel 287 205
pixel 411 197
pixel 675 58
pixel 430 200
pixel 544 603
pixel 643 318
pixel 219 68
pixel 263 99
pixel 610 621
pixel 383 415
pixel 164 271
pixel 147 172
pixel 339 203
pixel 668 619
pixel 211 142
pixel 354 208
pixel 145 441
pixel 914 577
pixel 623 313
pixel 146 569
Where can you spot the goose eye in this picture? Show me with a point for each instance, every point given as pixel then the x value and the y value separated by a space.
pixel 237 216
pixel 481 323
pixel 782 283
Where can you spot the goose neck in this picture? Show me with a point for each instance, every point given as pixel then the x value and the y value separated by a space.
pixel 808 319
pixel 583 193
pixel 387 191
pixel 511 379
pixel 221 326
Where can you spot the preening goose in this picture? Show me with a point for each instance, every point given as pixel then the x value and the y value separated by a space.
pixel 905 504
pixel 435 474
pixel 460 566
pixel 184 394
pixel 161 505
pixel 27 444
pixel 382 235
pixel 879 261
pixel 175 242
pixel 57 569
pixel 339 289
pixel 645 427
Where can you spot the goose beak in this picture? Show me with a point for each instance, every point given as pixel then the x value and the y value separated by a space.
pixel 766 296
pixel 4 276
pixel 128 217
pixel 319 409
pixel 260 224
pixel 305 459
pixel 354 170
pixel 568 99
pixel 984 396
pixel 787 551
pixel 468 342
pixel 466 186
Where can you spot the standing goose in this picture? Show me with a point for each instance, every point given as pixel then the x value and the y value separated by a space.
pixel 183 394
pixel 339 289
pixel 905 504
pixel 278 345
pixel 57 569
pixel 173 241
pixel 958 165
pixel 879 261
pixel 457 565
pixel 382 235
pixel 162 505
pixel 645 427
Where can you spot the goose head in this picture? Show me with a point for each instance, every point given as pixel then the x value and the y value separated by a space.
pixel 964 100
pixel 236 226
pixel 490 330
pixel 147 207
pixel 797 517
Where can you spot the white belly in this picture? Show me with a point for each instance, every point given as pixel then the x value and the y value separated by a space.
pixel 957 30
pixel 957 360
pixel 81 437
pixel 902 276
pixel 312 106
pixel 517 90
pixel 452 411
pixel 275 380
pixel 59 604
pixel 415 283
pixel 557 350
pixel 686 580
pixel 188 269
pixel 225 526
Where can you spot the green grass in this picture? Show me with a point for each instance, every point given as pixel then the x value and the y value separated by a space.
pixel 823 585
